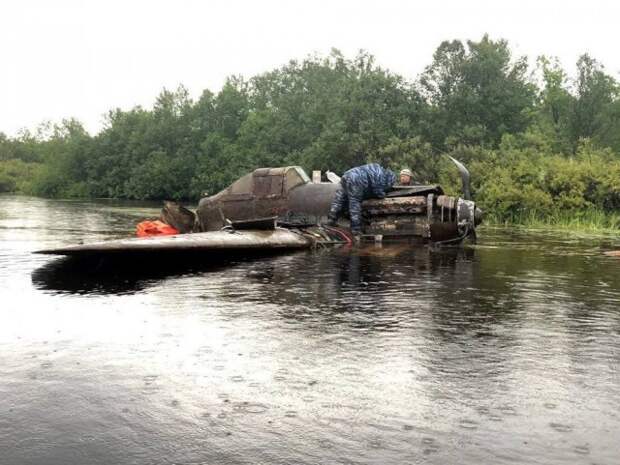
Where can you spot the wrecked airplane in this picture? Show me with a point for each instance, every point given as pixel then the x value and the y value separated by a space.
pixel 282 208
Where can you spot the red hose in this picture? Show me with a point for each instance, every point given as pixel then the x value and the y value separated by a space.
pixel 341 233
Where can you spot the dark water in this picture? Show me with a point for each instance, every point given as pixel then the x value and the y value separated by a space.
pixel 505 353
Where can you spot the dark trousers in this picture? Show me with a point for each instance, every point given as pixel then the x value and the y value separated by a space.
pixel 349 195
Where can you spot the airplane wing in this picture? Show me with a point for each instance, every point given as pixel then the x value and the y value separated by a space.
pixel 278 238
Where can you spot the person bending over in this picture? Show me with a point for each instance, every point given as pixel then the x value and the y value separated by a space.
pixel 359 183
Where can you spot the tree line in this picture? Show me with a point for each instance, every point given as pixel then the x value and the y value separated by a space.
pixel 535 139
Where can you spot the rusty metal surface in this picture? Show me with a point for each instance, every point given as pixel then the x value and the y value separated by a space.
pixel 443 231
pixel 398 205
pixel 288 194
pixel 177 216
pixel 401 191
pixel 446 201
pixel 215 240
pixel 397 225
pixel 312 200
pixel 267 192
pixel 255 224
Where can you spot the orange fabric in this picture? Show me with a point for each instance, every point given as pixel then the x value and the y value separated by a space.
pixel 154 228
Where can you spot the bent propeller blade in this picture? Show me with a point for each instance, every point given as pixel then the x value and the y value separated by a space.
pixel 464 177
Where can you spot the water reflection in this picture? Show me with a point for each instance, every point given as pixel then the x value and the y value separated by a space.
pixel 355 280
pixel 344 269
pixel 126 275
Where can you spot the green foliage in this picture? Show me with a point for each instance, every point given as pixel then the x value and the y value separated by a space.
pixel 17 175
pixel 538 144
pixel 328 113
pixel 553 115
pixel 477 93
pixel 595 92
pixel 517 181
pixel 414 153
pixel 584 220
pixel 64 154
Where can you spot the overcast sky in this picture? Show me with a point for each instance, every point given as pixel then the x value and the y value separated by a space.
pixel 81 58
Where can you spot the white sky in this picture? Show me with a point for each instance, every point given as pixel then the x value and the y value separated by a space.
pixel 72 58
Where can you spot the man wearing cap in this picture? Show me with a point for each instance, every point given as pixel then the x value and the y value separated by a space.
pixel 405 177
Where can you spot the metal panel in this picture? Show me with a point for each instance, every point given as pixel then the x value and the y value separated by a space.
pixel 268 187
pixel 216 240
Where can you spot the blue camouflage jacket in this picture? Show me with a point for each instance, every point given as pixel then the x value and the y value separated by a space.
pixel 371 181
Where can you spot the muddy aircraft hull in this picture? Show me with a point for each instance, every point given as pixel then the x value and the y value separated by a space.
pixel 281 208
pixel 287 194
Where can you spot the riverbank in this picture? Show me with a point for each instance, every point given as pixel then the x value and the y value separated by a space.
pixel 592 221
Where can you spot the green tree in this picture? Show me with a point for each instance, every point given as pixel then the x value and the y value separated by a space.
pixel 555 106
pixel 595 92
pixel 477 93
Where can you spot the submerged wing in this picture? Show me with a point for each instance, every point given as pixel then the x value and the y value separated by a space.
pixel 207 241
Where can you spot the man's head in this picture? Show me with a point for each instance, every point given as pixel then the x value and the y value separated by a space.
pixel 405 176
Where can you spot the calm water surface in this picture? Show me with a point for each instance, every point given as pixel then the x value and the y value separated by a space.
pixel 508 352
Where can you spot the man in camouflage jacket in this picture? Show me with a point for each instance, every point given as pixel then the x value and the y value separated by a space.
pixel 357 184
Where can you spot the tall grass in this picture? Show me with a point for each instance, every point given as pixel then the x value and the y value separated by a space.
pixel 585 220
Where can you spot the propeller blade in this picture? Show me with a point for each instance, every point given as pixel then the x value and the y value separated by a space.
pixel 464 177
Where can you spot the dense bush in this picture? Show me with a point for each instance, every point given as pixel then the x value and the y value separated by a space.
pixel 17 175
pixel 513 183
pixel 536 141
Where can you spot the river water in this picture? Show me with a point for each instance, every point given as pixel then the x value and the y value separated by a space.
pixel 507 352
